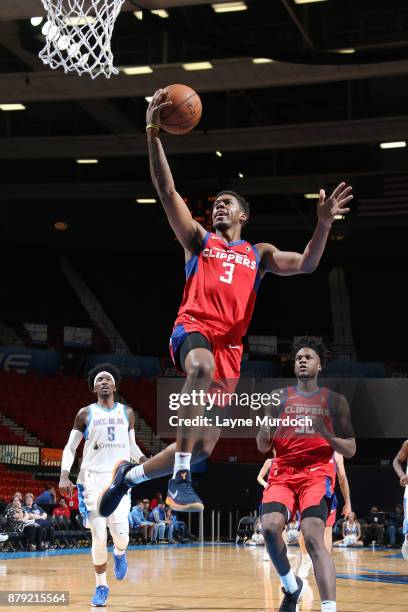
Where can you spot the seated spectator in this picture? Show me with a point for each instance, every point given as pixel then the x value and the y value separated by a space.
pixel 395 525
pixel 73 503
pixel 17 495
pixel 47 497
pixel 351 532
pixel 62 509
pixel 180 529
pixel 137 519
pixel 35 512
pixel 164 525
pixel 157 499
pixel 375 526
pixel 257 538
pixel 146 508
pixel 18 520
pixel 292 532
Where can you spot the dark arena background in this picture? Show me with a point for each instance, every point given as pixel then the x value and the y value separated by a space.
pixel 298 95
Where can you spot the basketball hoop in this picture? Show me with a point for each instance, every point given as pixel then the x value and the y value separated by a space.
pixel 78 35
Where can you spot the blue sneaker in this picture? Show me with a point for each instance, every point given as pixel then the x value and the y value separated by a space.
pixel 121 566
pixel 100 597
pixel 110 499
pixel 181 495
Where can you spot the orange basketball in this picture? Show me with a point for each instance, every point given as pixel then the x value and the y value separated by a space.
pixel 185 112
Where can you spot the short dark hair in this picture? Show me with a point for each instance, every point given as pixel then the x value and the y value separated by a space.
pixel 308 342
pixel 244 205
pixel 103 367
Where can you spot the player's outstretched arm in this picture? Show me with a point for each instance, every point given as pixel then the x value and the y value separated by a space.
pixel 398 462
pixel 189 233
pixel 65 485
pixel 286 263
pixel 136 452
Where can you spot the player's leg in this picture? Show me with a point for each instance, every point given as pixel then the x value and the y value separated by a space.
pixel 126 475
pixel 405 530
pixel 99 551
pixel 119 529
pixel 274 518
pixel 313 528
pixel 278 504
pixel 306 562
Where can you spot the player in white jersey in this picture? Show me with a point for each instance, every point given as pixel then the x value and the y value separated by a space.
pixel 108 429
pixel 400 459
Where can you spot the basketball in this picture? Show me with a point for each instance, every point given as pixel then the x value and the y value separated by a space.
pixel 185 112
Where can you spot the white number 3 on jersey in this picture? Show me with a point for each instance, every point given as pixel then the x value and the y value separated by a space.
pixel 228 273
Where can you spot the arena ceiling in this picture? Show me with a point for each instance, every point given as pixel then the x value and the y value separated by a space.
pixel 309 117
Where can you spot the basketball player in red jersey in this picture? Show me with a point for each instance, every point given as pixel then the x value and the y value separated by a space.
pixel 223 272
pixel 302 475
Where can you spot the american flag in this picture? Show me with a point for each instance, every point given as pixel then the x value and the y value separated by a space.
pixel 393 202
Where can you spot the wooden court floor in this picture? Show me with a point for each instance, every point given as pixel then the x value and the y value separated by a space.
pixel 209 579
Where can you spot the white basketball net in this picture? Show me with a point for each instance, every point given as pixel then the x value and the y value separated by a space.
pixel 78 35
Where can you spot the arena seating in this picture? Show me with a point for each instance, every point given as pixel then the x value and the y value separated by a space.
pixel 12 481
pixel 45 406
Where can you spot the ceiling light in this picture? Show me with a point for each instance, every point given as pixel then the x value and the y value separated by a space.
pixel 138 15
pixel 146 200
pixel 229 7
pixel 262 60
pixel 347 50
pixel 132 70
pixel 240 175
pixel 197 66
pixel 87 161
pixel 78 21
pixel 61 225
pixel 36 21
pixel 148 98
pixel 393 145
pixel 308 1
pixel 12 107
pixel 311 196
pixel 218 153
pixel 160 13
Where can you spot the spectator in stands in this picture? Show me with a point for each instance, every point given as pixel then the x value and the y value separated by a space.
pixel 17 495
pixel 47 497
pixel 180 529
pixel 157 499
pixel 62 509
pixel 35 512
pixel 18 520
pixel 73 503
pixel 293 532
pixel 375 526
pixel 395 525
pixel 257 538
pixel 351 532
pixel 146 508
pixel 137 519
pixel 164 525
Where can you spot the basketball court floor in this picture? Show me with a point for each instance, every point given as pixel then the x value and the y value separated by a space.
pixel 209 578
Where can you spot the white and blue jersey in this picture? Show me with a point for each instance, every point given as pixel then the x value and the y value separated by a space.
pixel 106 442
pixel 106 438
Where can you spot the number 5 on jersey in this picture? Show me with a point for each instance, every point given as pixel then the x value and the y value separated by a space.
pixel 228 272
pixel 111 433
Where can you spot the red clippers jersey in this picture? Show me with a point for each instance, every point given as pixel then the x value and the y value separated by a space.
pixel 302 446
pixel 221 285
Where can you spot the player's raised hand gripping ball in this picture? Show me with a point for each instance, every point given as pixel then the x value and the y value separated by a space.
pixel 177 109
